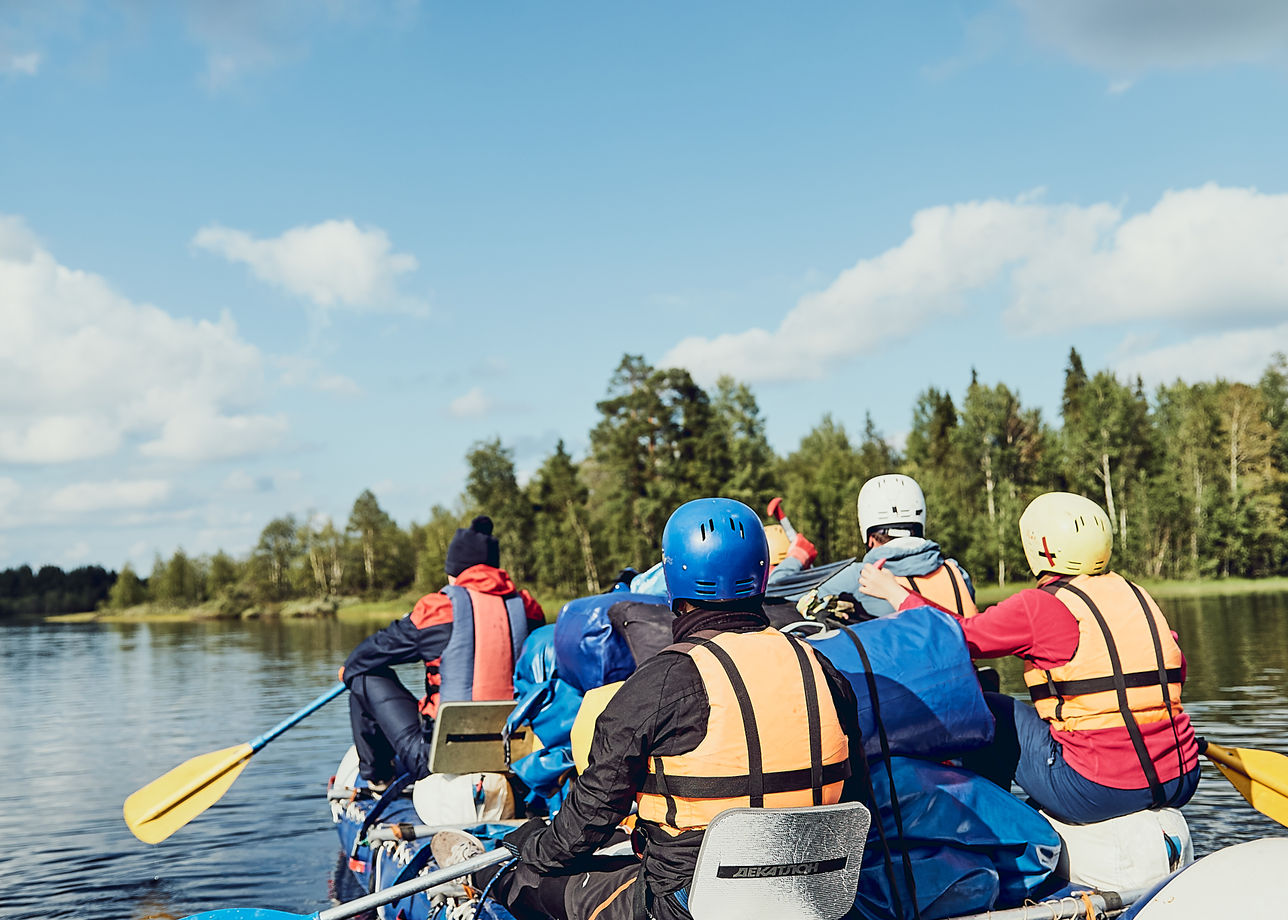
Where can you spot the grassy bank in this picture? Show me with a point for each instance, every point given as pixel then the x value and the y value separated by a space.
pixel 382 611
pixel 1211 587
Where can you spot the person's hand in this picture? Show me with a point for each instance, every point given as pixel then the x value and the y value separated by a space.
pixel 341 674
pixel 803 550
pixel 877 582
pixel 514 840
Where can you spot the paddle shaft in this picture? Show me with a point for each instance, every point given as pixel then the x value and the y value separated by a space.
pixel 257 743
pixel 1066 908
pixel 414 885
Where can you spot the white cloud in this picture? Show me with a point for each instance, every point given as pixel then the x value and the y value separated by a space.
pixel 1199 257
pixel 1130 37
pixel 112 495
pixel 199 435
pixel 26 64
pixel 1241 355
pixel 83 369
pixel 334 263
pixel 77 553
pixel 473 404
pixel 9 490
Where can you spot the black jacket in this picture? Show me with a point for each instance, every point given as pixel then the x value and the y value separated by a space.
pixel 662 709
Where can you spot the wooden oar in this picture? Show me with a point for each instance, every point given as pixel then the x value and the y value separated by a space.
pixel 1260 776
pixel 169 802
pixel 363 904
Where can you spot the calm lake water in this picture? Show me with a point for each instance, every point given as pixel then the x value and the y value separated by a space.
pixel 91 712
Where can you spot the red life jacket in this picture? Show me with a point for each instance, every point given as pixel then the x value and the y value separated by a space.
pixel 478 663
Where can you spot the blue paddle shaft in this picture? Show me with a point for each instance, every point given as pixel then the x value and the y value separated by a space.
pixel 290 720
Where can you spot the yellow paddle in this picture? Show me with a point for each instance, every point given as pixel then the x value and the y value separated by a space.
pixel 169 802
pixel 1260 776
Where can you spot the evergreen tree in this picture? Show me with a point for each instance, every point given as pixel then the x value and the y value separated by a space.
pixel 492 488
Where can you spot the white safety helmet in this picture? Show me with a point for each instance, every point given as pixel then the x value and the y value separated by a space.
pixel 894 504
pixel 1066 534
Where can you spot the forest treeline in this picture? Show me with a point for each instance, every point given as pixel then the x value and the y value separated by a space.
pixel 1193 477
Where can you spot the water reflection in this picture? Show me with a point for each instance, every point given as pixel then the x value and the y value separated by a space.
pixel 93 711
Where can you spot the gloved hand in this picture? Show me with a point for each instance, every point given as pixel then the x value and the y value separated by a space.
pixel 803 550
pixel 514 840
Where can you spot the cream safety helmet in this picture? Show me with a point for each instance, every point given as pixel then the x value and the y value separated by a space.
pixel 893 502
pixel 1066 534
pixel 778 543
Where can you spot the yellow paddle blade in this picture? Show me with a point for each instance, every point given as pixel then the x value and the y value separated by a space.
pixel 169 802
pixel 1260 776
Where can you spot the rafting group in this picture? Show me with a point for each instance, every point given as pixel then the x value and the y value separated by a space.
pixel 738 732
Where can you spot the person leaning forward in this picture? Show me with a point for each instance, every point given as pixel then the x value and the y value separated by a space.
pixel 1107 735
pixel 892 521
pixel 731 705
pixel 468 634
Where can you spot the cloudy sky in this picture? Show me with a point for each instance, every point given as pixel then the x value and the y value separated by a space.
pixel 259 255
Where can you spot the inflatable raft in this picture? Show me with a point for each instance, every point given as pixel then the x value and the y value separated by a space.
pixel 963 848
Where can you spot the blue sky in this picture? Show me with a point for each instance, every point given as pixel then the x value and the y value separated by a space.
pixel 256 257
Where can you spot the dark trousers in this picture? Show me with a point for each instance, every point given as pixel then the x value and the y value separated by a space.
pixel 593 888
pixel 387 728
pixel 1024 750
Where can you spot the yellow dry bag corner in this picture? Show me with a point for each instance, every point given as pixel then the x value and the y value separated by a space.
pixel 583 727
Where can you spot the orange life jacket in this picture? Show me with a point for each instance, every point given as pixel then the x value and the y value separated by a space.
pixel 773 738
pixel 944 586
pixel 1126 671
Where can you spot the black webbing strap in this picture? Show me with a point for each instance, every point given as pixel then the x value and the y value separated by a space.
pixel 755 761
pixel 1120 688
pixel 732 787
pixel 908 877
pixel 813 720
pixel 1164 677
pixel 1135 679
pixel 953 576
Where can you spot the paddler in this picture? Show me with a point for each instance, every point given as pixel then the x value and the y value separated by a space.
pixel 892 522
pixel 1107 735
pixel 468 634
pixel 672 740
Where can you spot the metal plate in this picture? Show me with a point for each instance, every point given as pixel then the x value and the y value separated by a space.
pixel 467 738
pixel 801 863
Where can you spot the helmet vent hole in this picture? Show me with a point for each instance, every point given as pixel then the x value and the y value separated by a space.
pixel 702 528
pixel 704 588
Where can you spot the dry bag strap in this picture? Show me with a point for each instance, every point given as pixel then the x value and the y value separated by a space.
pixel 1120 688
pixel 871 679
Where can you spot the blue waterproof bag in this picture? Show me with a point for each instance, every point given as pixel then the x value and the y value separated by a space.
pixel 927 692
pixel 971 845
pixel 589 652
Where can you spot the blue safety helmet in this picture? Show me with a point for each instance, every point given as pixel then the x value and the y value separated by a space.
pixel 714 549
